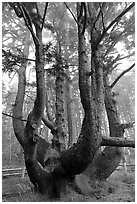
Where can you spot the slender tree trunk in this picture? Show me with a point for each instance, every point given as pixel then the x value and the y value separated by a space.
pixel 18 124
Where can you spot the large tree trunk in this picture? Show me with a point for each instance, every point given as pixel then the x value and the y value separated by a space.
pixel 59 137
pixel 106 162
pixel 69 111
pixel 58 167
pixel 28 136
pixel 48 179
pixel 74 160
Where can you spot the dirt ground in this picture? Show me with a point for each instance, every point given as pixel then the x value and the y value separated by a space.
pixel 120 187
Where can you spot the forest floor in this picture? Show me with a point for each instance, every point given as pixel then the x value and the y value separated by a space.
pixel 120 187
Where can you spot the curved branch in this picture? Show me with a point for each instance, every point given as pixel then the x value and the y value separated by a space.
pixel 26 16
pixel 18 125
pixel 71 13
pixel 119 77
pixel 35 116
pixel 120 16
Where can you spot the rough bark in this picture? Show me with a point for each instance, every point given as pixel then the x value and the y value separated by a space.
pixel 37 174
pixel 117 142
pixel 74 160
pixel 69 110
pixel 59 138
pixel 18 124
pixel 105 162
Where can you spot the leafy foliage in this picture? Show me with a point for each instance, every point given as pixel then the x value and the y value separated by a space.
pixel 10 61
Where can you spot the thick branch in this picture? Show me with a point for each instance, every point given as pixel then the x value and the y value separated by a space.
pixel 127 56
pixel 120 16
pixel 102 15
pixel 119 77
pixel 117 142
pixel 21 11
pixel 35 116
pixel 18 125
pixel 45 11
pixel 28 23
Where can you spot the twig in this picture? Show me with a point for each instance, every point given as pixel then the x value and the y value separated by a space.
pixel 13 76
pixel 127 56
pixel 114 42
pixel 19 118
pixel 13 55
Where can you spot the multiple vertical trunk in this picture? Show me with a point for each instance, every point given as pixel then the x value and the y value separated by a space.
pixel 75 160
pixel 106 162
